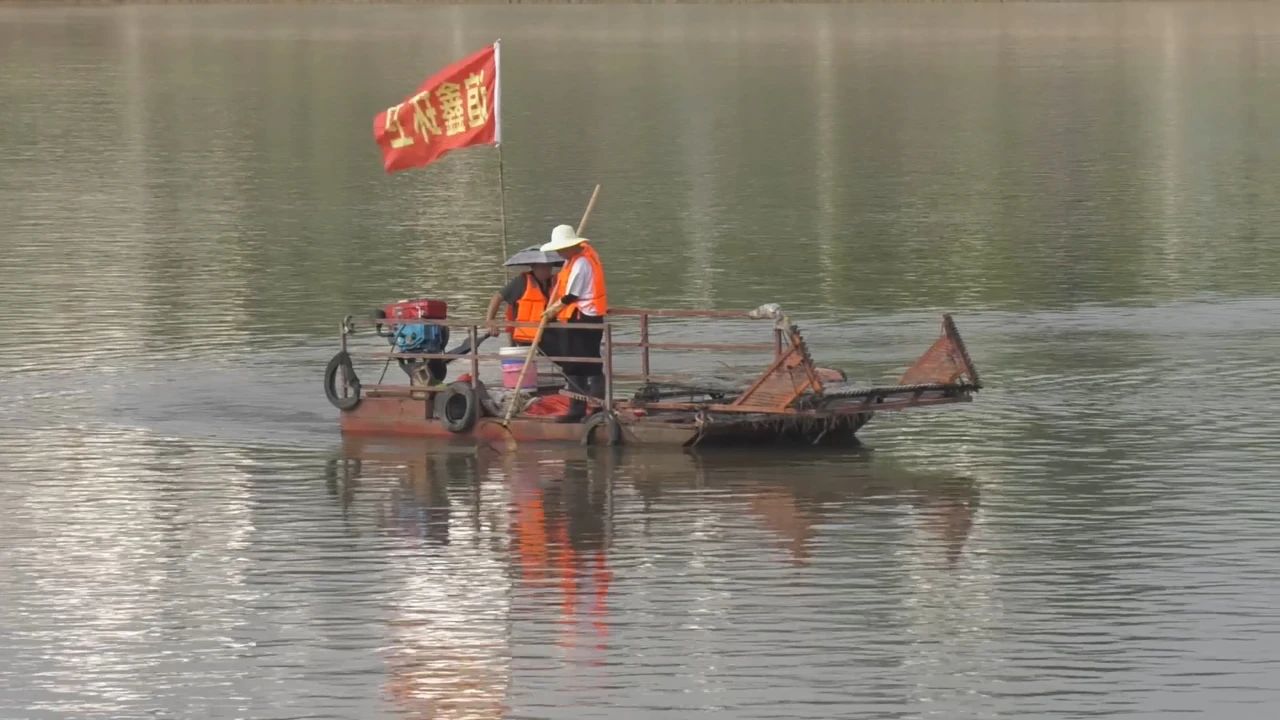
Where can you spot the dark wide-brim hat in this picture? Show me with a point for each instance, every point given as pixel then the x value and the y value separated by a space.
pixel 532 255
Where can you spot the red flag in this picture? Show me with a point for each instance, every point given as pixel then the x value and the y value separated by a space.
pixel 455 108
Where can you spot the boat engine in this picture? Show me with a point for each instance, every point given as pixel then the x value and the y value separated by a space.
pixel 415 337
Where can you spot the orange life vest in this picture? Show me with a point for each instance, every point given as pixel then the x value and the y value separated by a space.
pixel 528 308
pixel 600 298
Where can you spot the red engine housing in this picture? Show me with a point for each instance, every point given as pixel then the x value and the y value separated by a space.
pixel 417 309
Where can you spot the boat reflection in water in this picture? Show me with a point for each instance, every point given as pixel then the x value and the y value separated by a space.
pixel 548 560
pixel 559 540
pixel 446 649
pixel 791 495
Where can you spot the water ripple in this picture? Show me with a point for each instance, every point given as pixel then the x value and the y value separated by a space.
pixel 185 534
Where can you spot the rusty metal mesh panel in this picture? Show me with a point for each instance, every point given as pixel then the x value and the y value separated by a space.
pixel 945 362
pixel 787 379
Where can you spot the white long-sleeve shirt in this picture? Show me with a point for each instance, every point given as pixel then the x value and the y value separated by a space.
pixel 582 285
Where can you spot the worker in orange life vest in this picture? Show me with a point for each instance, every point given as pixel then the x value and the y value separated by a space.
pixel 526 295
pixel 579 297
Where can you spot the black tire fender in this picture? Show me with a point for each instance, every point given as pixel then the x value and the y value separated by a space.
pixel 612 431
pixel 459 407
pixel 342 361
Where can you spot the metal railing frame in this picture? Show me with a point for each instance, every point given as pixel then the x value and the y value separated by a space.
pixel 644 344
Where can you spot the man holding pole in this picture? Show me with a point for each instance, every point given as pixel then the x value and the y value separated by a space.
pixel 579 297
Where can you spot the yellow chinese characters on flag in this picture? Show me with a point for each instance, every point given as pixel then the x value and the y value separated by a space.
pixel 455 108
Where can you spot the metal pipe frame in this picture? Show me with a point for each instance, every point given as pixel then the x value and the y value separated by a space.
pixel 644 344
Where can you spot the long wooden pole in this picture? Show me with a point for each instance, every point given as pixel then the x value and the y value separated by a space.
pixel 528 360
pixel 590 204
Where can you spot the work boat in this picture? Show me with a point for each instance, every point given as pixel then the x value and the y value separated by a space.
pixel 786 398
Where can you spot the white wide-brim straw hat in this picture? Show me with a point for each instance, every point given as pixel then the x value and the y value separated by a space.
pixel 533 255
pixel 562 236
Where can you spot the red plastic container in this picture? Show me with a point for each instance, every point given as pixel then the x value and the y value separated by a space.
pixel 417 309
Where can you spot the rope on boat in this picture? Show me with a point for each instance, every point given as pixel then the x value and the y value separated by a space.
pixel 898 389
pixel 654 392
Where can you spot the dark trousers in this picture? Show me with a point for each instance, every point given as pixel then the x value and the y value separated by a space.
pixel 579 343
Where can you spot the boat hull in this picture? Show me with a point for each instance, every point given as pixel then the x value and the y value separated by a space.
pixel 413 417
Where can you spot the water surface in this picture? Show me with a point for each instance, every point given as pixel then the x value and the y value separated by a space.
pixel 192 200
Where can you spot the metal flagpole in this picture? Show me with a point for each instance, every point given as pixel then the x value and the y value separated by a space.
pixel 502 205
pixel 497 139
